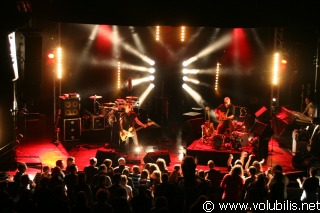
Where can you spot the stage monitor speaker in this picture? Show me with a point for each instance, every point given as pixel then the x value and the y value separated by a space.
pixel 71 129
pixel 98 123
pixel 102 155
pixel 70 107
pixel 152 157
pixel 258 128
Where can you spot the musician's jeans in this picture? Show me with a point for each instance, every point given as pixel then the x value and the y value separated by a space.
pixel 131 143
pixel 225 126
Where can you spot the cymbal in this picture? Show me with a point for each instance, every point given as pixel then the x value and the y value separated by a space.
pixel 132 97
pixel 109 104
pixel 95 97
pixel 119 100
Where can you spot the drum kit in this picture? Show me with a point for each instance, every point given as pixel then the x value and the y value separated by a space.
pixel 230 140
pixel 111 110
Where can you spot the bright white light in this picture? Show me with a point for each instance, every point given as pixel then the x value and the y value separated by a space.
pixel 152 70
pixel 195 95
pixel 190 71
pixel 189 61
pixel 275 69
pixel 135 82
pixel 192 80
pixel 146 93
pixel 151 77
pixel 59 63
pixel 13 54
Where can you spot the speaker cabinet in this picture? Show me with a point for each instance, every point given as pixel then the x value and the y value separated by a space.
pixel 110 154
pixel 151 157
pixel 70 107
pixel 32 64
pixel 98 122
pixel 71 129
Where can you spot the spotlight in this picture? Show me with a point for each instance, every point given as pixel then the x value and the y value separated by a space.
pixel 137 149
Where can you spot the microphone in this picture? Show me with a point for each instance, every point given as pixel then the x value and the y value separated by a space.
pixel 130 84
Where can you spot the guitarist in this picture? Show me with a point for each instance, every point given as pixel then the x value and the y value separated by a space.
pixel 128 120
pixel 225 113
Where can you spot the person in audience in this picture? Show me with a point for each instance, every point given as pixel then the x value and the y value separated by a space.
pixel 239 161
pixel 255 163
pixel 102 171
pixel 166 189
pixel 310 186
pixel 161 163
pixel 215 178
pixel 57 178
pixel 135 175
pixel 21 170
pixel 81 203
pixel 175 174
pixel 116 192
pixel 110 170
pixel 124 183
pixel 248 181
pixel 60 163
pixel 156 180
pixel 70 180
pixel 126 172
pixel 91 170
pixel 82 185
pixel 277 184
pixel 102 205
pixel 70 161
pixel 46 172
pixel 232 185
pixel 121 166
pixel 142 202
pixel 160 205
pixel 145 179
pixel 43 195
pixel 189 188
pixel 103 182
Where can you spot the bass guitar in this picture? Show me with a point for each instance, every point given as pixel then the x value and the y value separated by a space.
pixel 124 134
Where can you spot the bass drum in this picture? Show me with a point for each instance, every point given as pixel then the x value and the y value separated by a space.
pixel 217 141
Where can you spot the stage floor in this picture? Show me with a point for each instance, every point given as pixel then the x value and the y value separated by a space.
pixel 41 150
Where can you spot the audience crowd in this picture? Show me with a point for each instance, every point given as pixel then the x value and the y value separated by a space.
pixel 118 188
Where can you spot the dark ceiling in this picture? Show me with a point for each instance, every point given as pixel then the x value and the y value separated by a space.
pixel 172 13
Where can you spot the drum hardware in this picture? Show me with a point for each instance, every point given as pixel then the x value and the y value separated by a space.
pixel 95 102
pixel 132 97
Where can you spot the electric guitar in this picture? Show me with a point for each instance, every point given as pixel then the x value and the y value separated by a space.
pixel 208 126
pixel 221 116
pixel 124 134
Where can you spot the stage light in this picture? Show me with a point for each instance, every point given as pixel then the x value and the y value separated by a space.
pixel 184 78
pixel 152 70
pixel 59 63
pixel 51 55
pixel 157 33
pixel 151 77
pixel 137 149
pixel 275 69
pixel 183 34
pixel 144 95
pixel 189 61
pixel 13 54
pixel 194 94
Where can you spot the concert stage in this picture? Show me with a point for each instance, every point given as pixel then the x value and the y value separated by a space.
pixel 205 151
